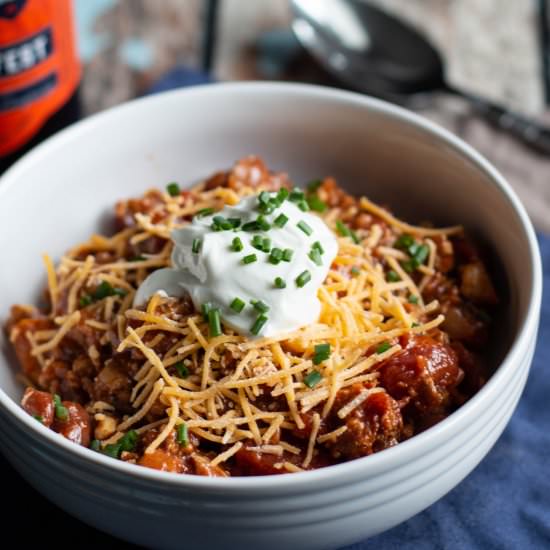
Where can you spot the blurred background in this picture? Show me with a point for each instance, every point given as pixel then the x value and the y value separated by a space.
pixel 495 49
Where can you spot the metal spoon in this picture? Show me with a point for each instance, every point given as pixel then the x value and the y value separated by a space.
pixel 373 52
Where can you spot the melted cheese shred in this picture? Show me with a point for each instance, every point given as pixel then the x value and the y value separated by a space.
pixel 228 389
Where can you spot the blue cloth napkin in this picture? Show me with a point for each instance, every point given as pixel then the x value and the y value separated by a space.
pixel 505 502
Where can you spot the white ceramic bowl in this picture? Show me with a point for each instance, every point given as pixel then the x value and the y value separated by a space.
pixel 59 193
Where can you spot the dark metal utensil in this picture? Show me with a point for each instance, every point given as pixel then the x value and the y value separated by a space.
pixel 373 52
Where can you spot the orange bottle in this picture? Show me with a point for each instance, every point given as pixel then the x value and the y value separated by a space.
pixel 39 73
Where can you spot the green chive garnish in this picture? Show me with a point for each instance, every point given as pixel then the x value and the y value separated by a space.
pixel 303 278
pixel 282 195
pixel 112 450
pixel 303 205
pixel 413 299
pixel 321 353
pixel 258 242
pixel 196 245
pixel 235 222
pixel 317 245
pixel 315 257
pixel 259 323
pixel 404 242
pixel 137 259
pixel 182 435
pixel 260 306
pixel 95 445
pixel 296 195
pixel 287 254
pixel 345 231
pixel 102 291
pixel 313 185
pixel 266 245
pixel 313 378
pixel 85 300
pixel 39 418
pixel 128 441
pixel 280 282
pixel 181 369
pixel 237 245
pixel 410 265
pixel 355 271
pixel 250 226
pixel 276 256
pixel 280 220
pixel 61 411
pixel 214 325
pixel 173 189
pixel 206 307
pixel 316 204
pixel 263 224
pixel 304 227
pixel 392 276
pixel 384 346
pixel 422 254
pixel 237 305
pixel 251 258
pixel 204 212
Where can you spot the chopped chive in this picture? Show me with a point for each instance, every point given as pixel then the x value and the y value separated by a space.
pixel 410 265
pixel 264 197
pixel 266 245
pixel 280 220
pixel 296 195
pixel 422 254
pixel 237 245
pixel 182 434
pixel 196 245
pixel 61 412
pixel 219 223
pixel 315 257
pixel 280 282
pixel 235 222
pixel 206 307
pixel 259 323
pixel 214 326
pixel 303 205
pixel 173 189
pixel 112 450
pixel 260 306
pixel 313 378
pixel 318 246
pixel 384 346
pixel 287 254
pixel 257 242
pixel 137 259
pixel 392 276
pixel 316 204
pixel 95 445
pixel 181 369
pixel 303 278
pixel 251 258
pixel 204 212
pixel 282 195
pixel 355 271
pixel 404 241
pixel 85 300
pixel 250 226
pixel 119 292
pixel 313 185
pixel 128 441
pixel 276 255
pixel 321 352
pixel 237 305
pixel 102 291
pixel 344 231
pixel 39 418
pixel 413 299
pixel 263 224
pixel 304 227
pixel 415 325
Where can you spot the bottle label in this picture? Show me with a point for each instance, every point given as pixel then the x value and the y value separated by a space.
pixel 39 67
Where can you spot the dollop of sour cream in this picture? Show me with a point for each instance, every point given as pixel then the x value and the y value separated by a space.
pixel 210 264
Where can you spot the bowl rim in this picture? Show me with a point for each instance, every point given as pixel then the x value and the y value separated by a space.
pixel 331 475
